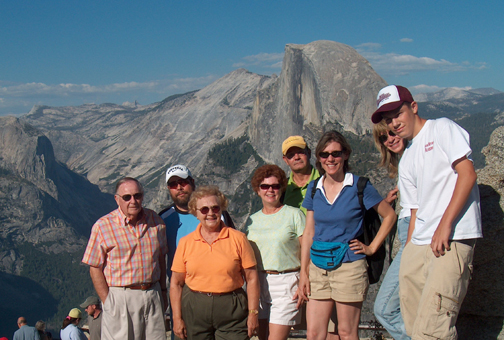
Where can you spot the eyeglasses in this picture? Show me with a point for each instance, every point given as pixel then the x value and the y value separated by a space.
pixel 182 182
pixel 335 154
pixel 291 154
pixel 206 210
pixel 268 186
pixel 383 138
pixel 127 197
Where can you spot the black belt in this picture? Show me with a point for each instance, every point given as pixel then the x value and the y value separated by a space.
pixel 141 286
pixel 213 294
pixel 274 272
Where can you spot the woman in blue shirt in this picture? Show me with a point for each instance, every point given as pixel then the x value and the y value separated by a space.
pixel 334 216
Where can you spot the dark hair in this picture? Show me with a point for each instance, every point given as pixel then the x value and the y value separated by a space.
pixel 205 191
pixel 389 159
pixel 328 137
pixel 128 179
pixel 266 171
pixel 68 320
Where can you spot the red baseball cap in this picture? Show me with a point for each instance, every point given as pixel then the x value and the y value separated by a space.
pixel 390 98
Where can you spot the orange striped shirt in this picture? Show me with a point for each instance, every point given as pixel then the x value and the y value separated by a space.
pixel 129 255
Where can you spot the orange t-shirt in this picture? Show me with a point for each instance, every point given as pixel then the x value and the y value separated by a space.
pixel 216 267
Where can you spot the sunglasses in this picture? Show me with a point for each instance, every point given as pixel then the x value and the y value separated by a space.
pixel 138 196
pixel 291 154
pixel 182 182
pixel 383 138
pixel 335 154
pixel 268 186
pixel 206 210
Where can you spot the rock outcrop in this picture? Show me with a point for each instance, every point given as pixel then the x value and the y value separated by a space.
pixel 482 314
pixel 321 83
pixel 41 202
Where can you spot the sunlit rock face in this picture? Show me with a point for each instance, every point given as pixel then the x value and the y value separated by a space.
pixel 321 82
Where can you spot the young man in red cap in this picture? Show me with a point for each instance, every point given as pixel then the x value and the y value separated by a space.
pixel 437 182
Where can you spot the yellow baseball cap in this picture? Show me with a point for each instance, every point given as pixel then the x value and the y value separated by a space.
pixel 75 313
pixel 293 141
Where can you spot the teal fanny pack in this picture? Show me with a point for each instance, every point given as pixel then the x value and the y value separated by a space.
pixel 327 255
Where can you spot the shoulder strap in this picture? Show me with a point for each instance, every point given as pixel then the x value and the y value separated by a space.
pixel 166 209
pixel 314 188
pixel 227 220
pixel 361 184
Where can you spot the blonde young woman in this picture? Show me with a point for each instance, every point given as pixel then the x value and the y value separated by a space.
pixel 387 308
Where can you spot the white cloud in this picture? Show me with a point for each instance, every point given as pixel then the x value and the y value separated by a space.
pixel 406 40
pixel 393 64
pixel 368 46
pixel 268 60
pixel 19 98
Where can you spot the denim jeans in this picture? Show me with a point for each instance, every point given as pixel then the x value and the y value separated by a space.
pixel 387 307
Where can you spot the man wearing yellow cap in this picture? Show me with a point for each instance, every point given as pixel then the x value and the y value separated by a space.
pixel 296 154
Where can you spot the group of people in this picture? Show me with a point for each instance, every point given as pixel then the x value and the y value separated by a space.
pixel 227 284
pixel 26 332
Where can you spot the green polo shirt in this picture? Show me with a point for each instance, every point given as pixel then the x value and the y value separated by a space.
pixel 294 195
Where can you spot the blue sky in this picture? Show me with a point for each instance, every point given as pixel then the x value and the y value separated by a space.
pixel 74 52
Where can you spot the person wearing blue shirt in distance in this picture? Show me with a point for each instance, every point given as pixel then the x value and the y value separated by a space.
pixel 335 218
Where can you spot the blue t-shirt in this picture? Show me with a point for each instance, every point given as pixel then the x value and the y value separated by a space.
pixel 340 221
pixel 178 224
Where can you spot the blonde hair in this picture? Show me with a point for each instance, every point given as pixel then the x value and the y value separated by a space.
pixel 389 159
pixel 205 191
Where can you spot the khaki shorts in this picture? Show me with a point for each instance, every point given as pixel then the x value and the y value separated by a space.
pixel 347 283
pixel 431 289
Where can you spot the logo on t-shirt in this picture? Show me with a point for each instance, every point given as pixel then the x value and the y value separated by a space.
pixel 429 146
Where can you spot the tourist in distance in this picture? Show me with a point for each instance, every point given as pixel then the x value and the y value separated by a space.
pixel 92 306
pixel 334 219
pixel 275 233
pixel 437 182
pixel 387 306
pixel 208 273
pixel 69 329
pixel 25 332
pixel 126 254
pixel 41 327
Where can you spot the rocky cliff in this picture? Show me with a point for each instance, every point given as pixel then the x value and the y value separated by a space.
pixel 42 203
pixel 482 314
pixel 321 83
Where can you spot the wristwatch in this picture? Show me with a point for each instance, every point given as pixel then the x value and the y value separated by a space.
pixel 253 311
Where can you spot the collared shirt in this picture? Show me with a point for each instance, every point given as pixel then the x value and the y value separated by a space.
pixel 95 326
pixel 295 195
pixel 130 255
pixel 340 220
pixel 216 267
pixel 26 333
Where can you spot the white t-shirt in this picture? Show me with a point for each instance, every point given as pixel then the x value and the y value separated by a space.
pixel 427 181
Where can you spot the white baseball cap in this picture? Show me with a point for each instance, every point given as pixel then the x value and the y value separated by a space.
pixel 177 170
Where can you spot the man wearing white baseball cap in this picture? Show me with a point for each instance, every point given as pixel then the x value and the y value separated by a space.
pixel 437 183
pixel 179 222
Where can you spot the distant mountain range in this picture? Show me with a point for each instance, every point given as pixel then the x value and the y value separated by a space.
pixel 450 93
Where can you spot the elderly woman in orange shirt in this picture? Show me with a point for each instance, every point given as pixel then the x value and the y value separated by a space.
pixel 206 292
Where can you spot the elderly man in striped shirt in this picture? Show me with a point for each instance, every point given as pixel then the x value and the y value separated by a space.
pixel 126 254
